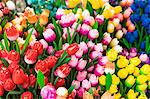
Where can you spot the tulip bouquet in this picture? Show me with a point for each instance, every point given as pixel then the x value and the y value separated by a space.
pixel 53 51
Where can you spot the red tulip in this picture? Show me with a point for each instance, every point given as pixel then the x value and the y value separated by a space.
pixel 42 66
pixel 13 56
pixel 26 82
pixel 38 46
pixel 4 74
pixel 32 80
pixel 18 76
pixel 9 85
pixel 5 10
pixel 31 56
pixel 1 90
pixel 72 49
pixel 63 71
pixel 59 53
pixel 60 82
pixel 51 61
pixel 27 95
pixel 3 54
pixel 12 67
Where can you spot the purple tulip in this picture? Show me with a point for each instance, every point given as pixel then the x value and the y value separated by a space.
pixel 84 47
pixel 86 84
pixel 125 52
pixel 81 75
pixel 79 53
pixel 93 80
pixel 102 60
pixel 48 92
pixel 80 92
pixel 133 52
pixel 49 35
pixel 81 64
pixel 73 62
pixel 85 29
pixel 77 83
pixel 93 34
pixel 99 70
pixel 98 47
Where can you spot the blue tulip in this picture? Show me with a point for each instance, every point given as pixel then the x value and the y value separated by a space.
pixel 143 44
pixel 147 9
pixel 135 17
pixel 135 34
pixel 130 38
pixel 144 16
pixel 141 3
pixel 133 7
pixel 146 22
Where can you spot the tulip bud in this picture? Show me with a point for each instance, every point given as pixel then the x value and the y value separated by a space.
pixel 90 69
pixel 131 28
pixel 99 70
pixel 73 62
pixel 48 92
pixel 98 47
pixel 85 13
pixel 42 66
pixel 93 80
pixel 130 68
pixel 4 74
pixel 38 47
pixel 44 43
pixel 65 46
pixel 84 47
pixel 86 84
pixel 59 13
pixel 72 49
pixel 102 60
pixel 135 61
pixel 49 35
pixel 113 89
pixel 119 34
pixel 62 93
pixel 79 53
pixel 30 56
pixel 60 82
pixel 81 75
pixel 62 71
pixel 80 92
pixel 76 83
pixel 110 28
pixel 90 44
pixel 93 34
pixel 85 29
pixel 145 69
pixel 127 13
pixel 81 64
pixel 114 42
pixel 129 82
pixel 99 19
pixel 133 52
pixel 115 80
pixel 13 56
pixel 50 26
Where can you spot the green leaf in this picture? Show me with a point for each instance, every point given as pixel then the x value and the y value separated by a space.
pixel 147 44
pixel 55 45
pixel 56 81
pixel 121 88
pixel 95 26
pixel 6 42
pixel 12 93
pixel 5 62
pixel 2 46
pixel 126 43
pixel 26 42
pixel 89 7
pixel 40 79
pixel 90 91
pixel 71 89
pixel 4 22
pixel 60 44
pixel 56 28
pixel 17 47
pixel 66 60
pixel 108 81
pixel 68 38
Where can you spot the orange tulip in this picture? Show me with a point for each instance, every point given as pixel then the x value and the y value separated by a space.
pixel 46 12
pixel 131 28
pixel 8 25
pixel 43 19
pixel 24 23
pixel 32 19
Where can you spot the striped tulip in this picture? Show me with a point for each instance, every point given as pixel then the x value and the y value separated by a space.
pixel 49 35
pixel 85 29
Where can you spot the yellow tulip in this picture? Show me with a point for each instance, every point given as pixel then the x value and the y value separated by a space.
pixel 141 79
pixel 117 9
pixel 122 62
pixel 102 80
pixel 148 76
pixel 122 73
pixel 135 61
pixel 96 4
pixel 131 94
pixel 110 28
pixel 117 96
pixel 115 79
pixel 141 88
pixel 113 89
pixel 112 55
pixel 73 3
pixel 136 72
pixel 129 82
pixel 130 68
pixel 142 96
pixel 145 69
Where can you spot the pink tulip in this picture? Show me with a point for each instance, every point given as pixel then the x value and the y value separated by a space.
pixel 93 80
pixel 50 49
pixel 65 33
pixel 49 35
pixel 73 62
pixel 44 43
pixel 133 52
pixel 81 64
pixel 99 70
pixel 127 13
pixel 48 92
pixel 90 44
pixel 143 57
pixel 84 47
pixel 125 52
pixel 86 84
pixel 106 39
pixel 81 75
pixel 59 13
pixel 34 32
pixel 98 47
pixel 90 69
pixel 85 29
pixel 89 20
pixel 50 26
pixel 99 19
pixel 95 54
pixel 102 60
pixel 76 83
pixel 74 26
pixel 80 92
pixel 79 53
pixel 93 34
pixel 65 46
